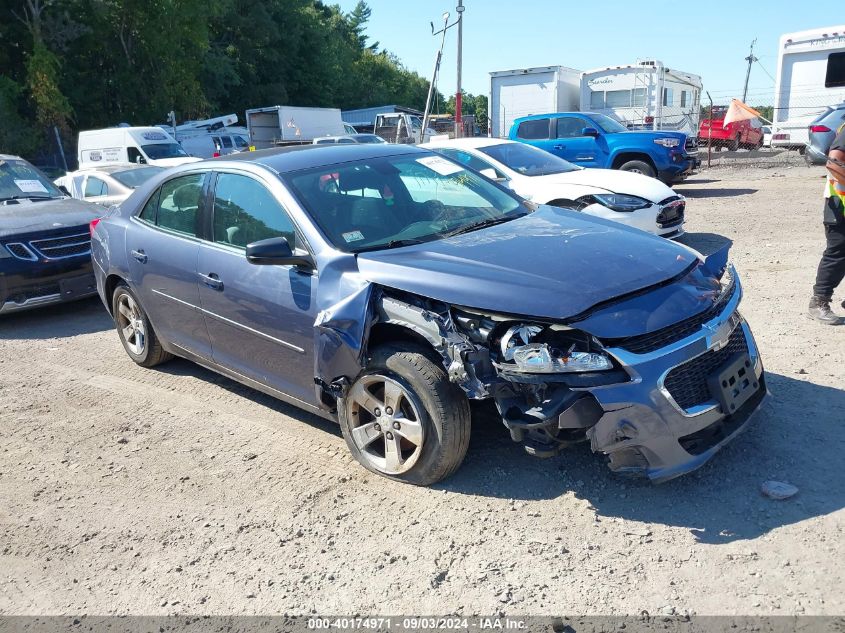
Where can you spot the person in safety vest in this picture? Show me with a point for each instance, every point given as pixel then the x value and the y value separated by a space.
pixel 832 266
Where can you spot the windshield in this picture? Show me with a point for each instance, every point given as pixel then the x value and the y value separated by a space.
pixel 19 179
pixel 369 138
pixel 134 178
pixel 528 160
pixel 607 124
pixel 163 150
pixel 399 200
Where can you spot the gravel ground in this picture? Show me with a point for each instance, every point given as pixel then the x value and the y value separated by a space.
pixel 133 491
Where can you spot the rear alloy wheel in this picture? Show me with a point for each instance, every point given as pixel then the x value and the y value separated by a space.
pixel 638 167
pixel 403 419
pixel 134 329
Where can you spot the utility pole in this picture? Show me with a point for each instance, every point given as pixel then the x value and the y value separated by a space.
pixel 433 84
pixel 750 59
pixel 459 129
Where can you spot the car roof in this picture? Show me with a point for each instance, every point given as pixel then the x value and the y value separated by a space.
pixel 288 159
pixel 111 169
pixel 469 143
pixel 547 115
pixel 10 157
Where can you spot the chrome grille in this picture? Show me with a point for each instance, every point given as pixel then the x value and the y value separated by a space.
pixel 64 246
pixel 645 343
pixel 687 383
pixel 21 251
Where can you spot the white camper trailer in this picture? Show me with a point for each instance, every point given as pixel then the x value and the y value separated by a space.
pixel 644 96
pixel 516 93
pixel 810 77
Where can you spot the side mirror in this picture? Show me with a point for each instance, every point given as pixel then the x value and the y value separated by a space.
pixel 64 190
pixel 590 131
pixel 277 251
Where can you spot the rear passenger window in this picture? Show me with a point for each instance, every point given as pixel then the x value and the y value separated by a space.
pixel 148 213
pixel 534 129
pixel 245 211
pixel 179 201
pixel 95 187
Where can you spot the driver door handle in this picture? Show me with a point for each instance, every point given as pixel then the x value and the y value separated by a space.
pixel 140 255
pixel 212 281
pixel 560 146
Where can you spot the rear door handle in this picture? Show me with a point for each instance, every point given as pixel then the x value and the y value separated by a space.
pixel 212 281
pixel 140 255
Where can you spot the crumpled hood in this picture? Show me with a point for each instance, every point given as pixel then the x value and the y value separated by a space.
pixel 553 263
pixel 612 181
pixel 46 215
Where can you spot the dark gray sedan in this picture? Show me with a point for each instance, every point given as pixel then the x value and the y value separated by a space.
pixel 386 287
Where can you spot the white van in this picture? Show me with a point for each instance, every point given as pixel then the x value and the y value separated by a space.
pixel 211 145
pixel 138 145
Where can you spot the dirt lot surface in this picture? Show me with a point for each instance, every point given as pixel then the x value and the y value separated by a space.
pixel 125 490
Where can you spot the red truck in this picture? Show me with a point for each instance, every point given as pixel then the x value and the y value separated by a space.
pixel 737 134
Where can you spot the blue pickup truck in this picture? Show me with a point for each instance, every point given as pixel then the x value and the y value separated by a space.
pixel 595 140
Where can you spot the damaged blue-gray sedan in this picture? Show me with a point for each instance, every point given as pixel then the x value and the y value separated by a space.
pixel 386 287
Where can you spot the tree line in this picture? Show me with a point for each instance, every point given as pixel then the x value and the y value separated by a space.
pixel 83 64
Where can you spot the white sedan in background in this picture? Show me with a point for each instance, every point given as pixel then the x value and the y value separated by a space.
pixel 106 185
pixel 632 199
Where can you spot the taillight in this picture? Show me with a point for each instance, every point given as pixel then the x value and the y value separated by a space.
pixel 819 128
pixel 93 225
pixel 216 155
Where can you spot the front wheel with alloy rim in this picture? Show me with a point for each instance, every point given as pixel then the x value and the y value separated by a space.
pixel 403 419
pixel 134 329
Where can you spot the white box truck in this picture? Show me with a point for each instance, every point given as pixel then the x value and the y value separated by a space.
pixel 145 145
pixel 289 125
pixel 644 96
pixel 516 93
pixel 810 77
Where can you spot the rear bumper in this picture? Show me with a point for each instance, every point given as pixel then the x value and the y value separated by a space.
pixel 25 285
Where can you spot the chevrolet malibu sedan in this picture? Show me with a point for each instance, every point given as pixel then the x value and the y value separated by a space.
pixel 386 287
pixel 622 196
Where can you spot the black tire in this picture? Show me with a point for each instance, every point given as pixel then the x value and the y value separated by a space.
pixel 639 167
pixel 734 146
pixel 442 409
pixel 149 352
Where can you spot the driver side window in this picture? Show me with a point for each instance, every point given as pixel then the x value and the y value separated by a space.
pixel 569 127
pixel 245 211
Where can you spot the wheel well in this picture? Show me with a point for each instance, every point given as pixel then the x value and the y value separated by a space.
pixel 110 285
pixel 621 159
pixel 382 333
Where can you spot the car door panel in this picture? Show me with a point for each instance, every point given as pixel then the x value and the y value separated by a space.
pixel 570 144
pixel 260 318
pixel 163 266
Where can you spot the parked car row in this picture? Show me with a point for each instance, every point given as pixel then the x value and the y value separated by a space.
pixel 387 286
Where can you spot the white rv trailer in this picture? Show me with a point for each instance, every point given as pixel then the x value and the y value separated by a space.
pixel 516 93
pixel 644 96
pixel 810 76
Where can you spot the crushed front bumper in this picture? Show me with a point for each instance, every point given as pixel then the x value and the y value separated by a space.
pixel 667 417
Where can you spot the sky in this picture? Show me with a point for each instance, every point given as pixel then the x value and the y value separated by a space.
pixel 710 39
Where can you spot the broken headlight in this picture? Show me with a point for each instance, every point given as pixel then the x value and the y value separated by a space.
pixel 537 349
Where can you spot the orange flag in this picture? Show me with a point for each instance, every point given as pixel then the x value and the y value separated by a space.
pixel 738 111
